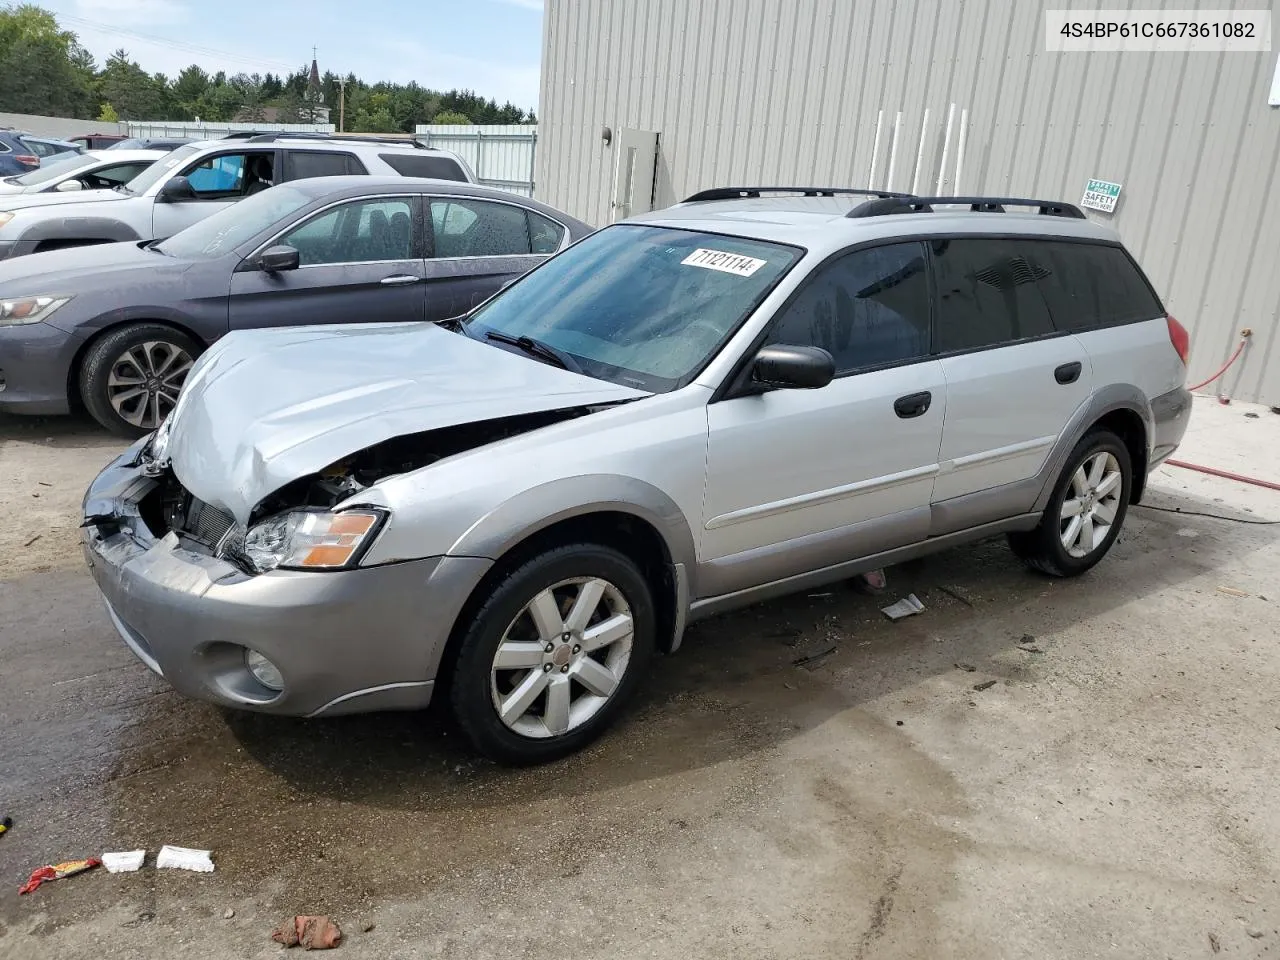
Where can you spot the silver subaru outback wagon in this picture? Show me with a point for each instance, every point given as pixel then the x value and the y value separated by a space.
pixel 753 392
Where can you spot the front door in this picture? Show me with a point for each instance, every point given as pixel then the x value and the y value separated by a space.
pixel 218 181
pixel 803 479
pixel 477 246
pixel 360 261
pixel 635 157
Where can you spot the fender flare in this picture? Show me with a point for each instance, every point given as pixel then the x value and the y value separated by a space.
pixel 1113 397
pixel 80 228
pixel 537 508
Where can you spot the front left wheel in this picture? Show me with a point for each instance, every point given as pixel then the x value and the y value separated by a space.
pixel 131 377
pixel 551 657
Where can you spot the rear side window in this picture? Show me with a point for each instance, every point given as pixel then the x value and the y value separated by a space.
pixel 867 308
pixel 423 165
pixel 987 294
pixel 301 164
pixel 544 234
pixel 478 228
pixel 1089 286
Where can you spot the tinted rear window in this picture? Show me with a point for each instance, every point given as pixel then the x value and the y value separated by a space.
pixel 423 165
pixel 313 163
pixel 1089 286
pixel 987 294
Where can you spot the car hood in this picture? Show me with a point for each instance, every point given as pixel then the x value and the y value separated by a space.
pixel 264 407
pixel 98 268
pixel 22 201
pixel 12 189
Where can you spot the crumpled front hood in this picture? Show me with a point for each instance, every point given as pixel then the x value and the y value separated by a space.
pixel 264 407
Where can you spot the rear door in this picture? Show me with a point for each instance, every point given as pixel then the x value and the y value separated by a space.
pixel 477 245
pixel 360 261
pixel 302 164
pixel 1013 380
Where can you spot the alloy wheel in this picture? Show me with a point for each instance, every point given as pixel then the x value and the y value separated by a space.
pixel 1090 506
pixel 562 657
pixel 145 380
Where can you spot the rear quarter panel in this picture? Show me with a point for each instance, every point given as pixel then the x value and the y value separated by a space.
pixel 1136 353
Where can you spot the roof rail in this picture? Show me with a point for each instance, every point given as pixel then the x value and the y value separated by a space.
pixel 909 204
pixel 330 137
pixel 743 193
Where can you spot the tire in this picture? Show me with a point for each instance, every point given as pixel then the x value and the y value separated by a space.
pixel 1045 549
pixel 119 359
pixel 535 730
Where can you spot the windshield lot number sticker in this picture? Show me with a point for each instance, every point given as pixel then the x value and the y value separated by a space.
pixel 733 263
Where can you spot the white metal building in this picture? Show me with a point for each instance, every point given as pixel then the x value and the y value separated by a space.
pixel 644 103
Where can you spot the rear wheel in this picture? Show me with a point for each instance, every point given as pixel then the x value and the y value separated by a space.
pixel 549 660
pixel 1086 511
pixel 131 377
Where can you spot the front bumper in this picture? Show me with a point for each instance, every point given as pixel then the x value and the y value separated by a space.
pixel 35 367
pixel 345 642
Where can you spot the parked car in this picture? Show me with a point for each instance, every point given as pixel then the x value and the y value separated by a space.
pixel 93 170
pixel 199 179
pixel 21 152
pixel 97 141
pixel 116 326
pixel 700 408
pixel 151 143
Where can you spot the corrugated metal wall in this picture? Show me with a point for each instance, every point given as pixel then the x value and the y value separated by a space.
pixel 211 130
pixel 788 91
pixel 502 155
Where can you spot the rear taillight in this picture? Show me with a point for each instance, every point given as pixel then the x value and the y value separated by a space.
pixel 1180 339
pixel 27 161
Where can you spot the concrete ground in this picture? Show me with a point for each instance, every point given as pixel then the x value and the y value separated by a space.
pixel 1112 793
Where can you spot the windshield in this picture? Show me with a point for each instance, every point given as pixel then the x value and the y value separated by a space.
pixel 638 305
pixel 59 165
pixel 233 225
pixel 161 169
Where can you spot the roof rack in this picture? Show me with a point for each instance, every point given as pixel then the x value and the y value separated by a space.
pixel 910 204
pixel 409 141
pixel 743 193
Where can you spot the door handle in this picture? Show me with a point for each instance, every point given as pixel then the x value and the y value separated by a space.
pixel 1068 372
pixel 399 280
pixel 913 404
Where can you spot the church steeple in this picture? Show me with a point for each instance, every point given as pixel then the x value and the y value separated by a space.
pixel 315 92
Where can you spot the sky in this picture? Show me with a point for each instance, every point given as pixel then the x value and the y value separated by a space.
pixel 490 46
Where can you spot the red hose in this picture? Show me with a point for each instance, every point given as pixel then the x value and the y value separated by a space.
pixel 1226 366
pixel 1225 474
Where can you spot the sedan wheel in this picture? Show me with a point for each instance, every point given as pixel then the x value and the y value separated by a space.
pixel 131 376
pixel 562 657
pixel 145 380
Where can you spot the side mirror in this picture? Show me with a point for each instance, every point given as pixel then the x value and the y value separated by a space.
pixel 69 186
pixel 793 367
pixel 176 190
pixel 279 258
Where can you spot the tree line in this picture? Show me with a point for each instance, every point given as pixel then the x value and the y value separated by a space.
pixel 44 70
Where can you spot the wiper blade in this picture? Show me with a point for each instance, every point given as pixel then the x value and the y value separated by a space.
pixel 536 348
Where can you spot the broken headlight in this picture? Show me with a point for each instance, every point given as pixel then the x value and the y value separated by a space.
pixel 309 540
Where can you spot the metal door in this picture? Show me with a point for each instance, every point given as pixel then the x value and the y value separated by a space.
pixel 635 156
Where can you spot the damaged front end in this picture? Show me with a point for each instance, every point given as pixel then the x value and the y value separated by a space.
pixel 299 525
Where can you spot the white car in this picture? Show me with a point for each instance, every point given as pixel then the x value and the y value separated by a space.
pixel 73 172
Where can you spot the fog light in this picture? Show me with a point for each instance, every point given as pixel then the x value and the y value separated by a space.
pixel 263 670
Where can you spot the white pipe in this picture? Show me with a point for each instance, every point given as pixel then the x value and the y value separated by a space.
pixel 924 130
pixel 875 153
pixel 963 135
pixel 893 150
pixel 946 151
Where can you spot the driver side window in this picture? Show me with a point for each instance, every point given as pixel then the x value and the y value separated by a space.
pixel 231 175
pixel 363 231
pixel 869 308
